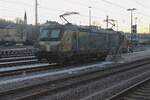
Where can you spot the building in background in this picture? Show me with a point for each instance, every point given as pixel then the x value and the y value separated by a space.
pixel 25 18
pixel 8 34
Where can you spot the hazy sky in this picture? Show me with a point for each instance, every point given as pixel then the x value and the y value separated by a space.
pixel 51 9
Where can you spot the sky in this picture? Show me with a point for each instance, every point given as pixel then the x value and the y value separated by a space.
pixel 51 9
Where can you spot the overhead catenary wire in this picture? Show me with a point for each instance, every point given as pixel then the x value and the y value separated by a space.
pixel 114 4
pixel 45 8
pixel 125 8
pixel 106 1
pixel 48 9
pixel 15 10
pixel 141 4
pixel 17 2
pixel 87 5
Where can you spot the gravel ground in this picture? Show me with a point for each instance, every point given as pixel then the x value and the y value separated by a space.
pixel 54 77
pixel 40 77
pixel 78 92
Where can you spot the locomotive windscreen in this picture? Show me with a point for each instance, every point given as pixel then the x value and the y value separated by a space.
pixel 50 35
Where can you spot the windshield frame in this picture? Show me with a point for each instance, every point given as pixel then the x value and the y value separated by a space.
pixel 49 34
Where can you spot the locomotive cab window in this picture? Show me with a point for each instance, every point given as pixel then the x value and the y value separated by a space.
pixel 55 33
pixel 44 34
pixel 50 34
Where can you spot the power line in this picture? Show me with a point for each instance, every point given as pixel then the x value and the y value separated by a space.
pixel 141 4
pixel 120 6
pixel 26 4
pixel 58 10
pixel 14 9
pixel 106 1
pixel 14 2
pixel 45 8
pixel 22 3
pixel 114 4
pixel 52 9
pixel 10 10
pixel 86 6
pixel 82 15
pixel 148 16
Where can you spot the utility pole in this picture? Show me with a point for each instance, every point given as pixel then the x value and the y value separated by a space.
pixel 131 10
pixel 136 20
pixel 107 17
pixel 36 21
pixel 149 28
pixel 135 30
pixel 89 15
pixel 36 12
pixel 117 25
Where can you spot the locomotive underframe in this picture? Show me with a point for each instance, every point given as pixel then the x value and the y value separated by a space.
pixel 70 56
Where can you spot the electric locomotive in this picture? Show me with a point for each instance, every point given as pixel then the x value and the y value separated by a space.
pixel 59 42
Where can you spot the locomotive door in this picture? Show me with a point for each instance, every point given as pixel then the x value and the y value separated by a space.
pixel 80 41
pixel 83 40
pixel 75 41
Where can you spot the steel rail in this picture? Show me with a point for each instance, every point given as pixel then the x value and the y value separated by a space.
pixel 80 81
pixel 91 75
pixel 17 70
pixel 17 63
pixel 16 52
pixel 16 58
pixel 121 94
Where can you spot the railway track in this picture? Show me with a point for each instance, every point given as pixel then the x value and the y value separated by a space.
pixel 139 91
pixel 19 61
pixel 16 61
pixel 23 77
pixel 11 65
pixel 16 52
pixel 84 83
pixel 17 56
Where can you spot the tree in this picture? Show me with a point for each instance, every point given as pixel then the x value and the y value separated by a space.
pixel 18 20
